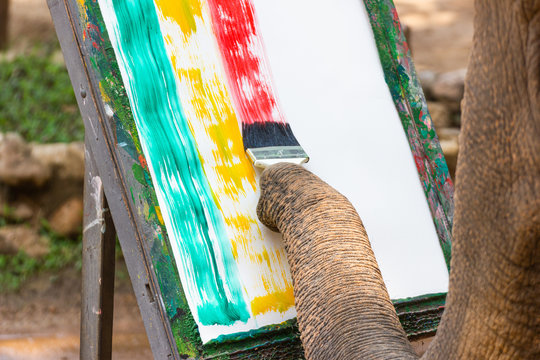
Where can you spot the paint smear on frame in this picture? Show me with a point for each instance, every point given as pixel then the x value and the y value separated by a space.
pixel 233 270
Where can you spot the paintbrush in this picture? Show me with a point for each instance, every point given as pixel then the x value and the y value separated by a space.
pixel 268 138
pixel 271 142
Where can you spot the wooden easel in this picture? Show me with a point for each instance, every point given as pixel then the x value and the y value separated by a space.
pixel 110 210
pixel 106 200
pixel 98 261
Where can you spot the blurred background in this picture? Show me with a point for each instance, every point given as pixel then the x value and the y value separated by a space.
pixel 42 170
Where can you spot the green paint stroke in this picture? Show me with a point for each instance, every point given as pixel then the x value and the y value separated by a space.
pixel 195 224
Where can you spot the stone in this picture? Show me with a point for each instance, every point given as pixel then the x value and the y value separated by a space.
pixel 449 87
pixel 20 211
pixel 440 115
pixel 14 238
pixel 67 219
pixel 17 165
pixel 23 211
pixel 65 160
pixel 427 79
pixel 449 133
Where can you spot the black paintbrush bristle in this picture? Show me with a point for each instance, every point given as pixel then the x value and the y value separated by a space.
pixel 258 135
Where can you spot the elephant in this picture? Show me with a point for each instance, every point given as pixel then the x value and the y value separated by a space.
pixel 493 303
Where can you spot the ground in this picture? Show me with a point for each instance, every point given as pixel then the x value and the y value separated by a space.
pixel 41 321
pixel 441 33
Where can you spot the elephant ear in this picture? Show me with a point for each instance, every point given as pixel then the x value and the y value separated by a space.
pixel 344 311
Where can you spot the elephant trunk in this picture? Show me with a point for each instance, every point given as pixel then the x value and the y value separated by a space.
pixel 344 311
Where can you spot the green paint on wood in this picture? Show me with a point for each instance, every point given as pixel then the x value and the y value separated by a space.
pixel 411 106
pixel 138 173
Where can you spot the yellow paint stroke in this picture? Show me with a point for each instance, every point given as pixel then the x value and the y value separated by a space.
pixel 146 210
pixel 183 12
pixel 104 95
pixel 245 226
pixel 212 102
pixel 82 12
pixel 193 51
pixel 159 216
pixel 279 301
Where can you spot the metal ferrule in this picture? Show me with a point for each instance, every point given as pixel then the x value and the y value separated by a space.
pixel 266 156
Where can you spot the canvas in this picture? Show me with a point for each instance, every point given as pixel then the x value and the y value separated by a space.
pixel 342 77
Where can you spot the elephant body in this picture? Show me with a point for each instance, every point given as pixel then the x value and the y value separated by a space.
pixel 493 303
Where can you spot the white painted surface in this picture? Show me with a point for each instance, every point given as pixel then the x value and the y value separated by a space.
pixel 331 86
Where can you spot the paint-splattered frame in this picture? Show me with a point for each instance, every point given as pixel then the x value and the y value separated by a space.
pixel 411 105
pixel 419 316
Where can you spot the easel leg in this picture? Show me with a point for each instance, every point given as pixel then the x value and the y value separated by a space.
pixel 98 261
pixel 4 17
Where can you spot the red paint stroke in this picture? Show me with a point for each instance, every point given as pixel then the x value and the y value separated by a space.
pixel 419 162
pixel 97 30
pixel 241 47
